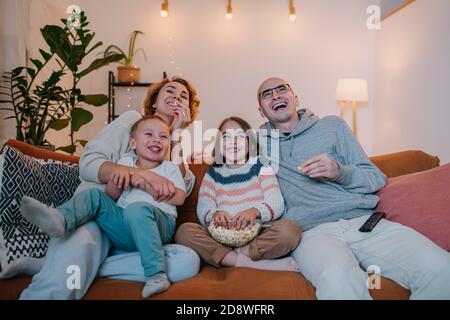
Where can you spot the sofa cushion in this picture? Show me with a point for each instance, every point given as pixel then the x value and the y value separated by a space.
pixel 51 182
pixel 420 201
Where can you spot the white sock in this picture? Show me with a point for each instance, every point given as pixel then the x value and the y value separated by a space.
pixel 155 284
pixel 284 264
pixel 48 219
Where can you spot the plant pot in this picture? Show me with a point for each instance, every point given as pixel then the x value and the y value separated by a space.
pixel 128 74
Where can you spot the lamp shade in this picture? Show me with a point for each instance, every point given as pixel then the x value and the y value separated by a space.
pixel 352 90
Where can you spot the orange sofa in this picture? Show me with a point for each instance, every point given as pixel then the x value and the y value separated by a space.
pixel 228 283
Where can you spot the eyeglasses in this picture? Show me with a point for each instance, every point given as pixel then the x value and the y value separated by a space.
pixel 268 93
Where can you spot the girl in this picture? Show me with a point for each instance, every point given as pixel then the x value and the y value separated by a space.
pixel 234 195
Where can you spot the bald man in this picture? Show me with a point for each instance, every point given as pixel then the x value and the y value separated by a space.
pixel 328 183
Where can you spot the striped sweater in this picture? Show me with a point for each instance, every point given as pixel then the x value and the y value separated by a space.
pixel 235 190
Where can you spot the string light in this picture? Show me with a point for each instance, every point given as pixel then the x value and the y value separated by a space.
pixel 164 8
pixel 229 14
pixel 292 15
pixel 172 56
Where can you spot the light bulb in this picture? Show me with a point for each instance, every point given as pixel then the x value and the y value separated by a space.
pixel 165 8
pixel 292 15
pixel 229 14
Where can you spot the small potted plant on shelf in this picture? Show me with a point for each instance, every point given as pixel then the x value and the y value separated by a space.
pixel 127 72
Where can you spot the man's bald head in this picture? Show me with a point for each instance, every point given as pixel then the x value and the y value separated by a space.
pixel 277 101
pixel 271 82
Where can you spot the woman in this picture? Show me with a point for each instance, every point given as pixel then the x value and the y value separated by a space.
pixel 73 262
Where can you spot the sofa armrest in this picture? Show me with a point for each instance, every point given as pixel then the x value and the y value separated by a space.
pixel 39 153
pixel 405 162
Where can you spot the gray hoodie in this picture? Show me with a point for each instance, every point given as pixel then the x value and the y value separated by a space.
pixel 311 202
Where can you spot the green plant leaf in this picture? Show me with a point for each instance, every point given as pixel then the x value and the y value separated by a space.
pixel 132 44
pixel 75 57
pixel 96 100
pixel 58 41
pixel 143 52
pixel 69 149
pixel 37 63
pixel 82 142
pixel 98 63
pixel 22 81
pixel 80 117
pixel 95 46
pixel 31 72
pixel 59 124
pixel 45 55
pixel 17 71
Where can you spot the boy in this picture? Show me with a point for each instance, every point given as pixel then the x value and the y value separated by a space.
pixel 130 217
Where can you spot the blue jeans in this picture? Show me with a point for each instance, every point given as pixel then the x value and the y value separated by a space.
pixel 87 248
pixel 140 226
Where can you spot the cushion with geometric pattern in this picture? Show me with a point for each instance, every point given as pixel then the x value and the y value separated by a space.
pixel 51 182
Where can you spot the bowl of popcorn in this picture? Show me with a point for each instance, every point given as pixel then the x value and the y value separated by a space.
pixel 232 237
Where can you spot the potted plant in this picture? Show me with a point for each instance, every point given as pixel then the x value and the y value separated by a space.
pixel 37 108
pixel 128 71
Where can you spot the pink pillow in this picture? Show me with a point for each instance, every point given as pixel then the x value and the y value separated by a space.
pixel 420 201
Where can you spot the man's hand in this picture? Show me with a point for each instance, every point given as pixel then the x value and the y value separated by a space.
pixel 246 218
pixel 120 177
pixel 321 166
pixel 222 219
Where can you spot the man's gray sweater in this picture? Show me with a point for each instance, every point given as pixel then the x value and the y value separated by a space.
pixel 311 202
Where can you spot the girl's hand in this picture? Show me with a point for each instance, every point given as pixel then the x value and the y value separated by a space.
pixel 222 219
pixel 181 117
pixel 246 218
pixel 121 177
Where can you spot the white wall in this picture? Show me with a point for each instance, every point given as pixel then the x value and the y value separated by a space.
pixel 412 105
pixel 228 59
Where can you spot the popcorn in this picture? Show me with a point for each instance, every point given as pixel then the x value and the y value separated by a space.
pixel 232 237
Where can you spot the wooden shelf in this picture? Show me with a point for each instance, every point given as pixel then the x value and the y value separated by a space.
pixel 112 84
pixel 132 84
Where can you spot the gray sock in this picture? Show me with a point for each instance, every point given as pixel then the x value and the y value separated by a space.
pixel 155 284
pixel 48 219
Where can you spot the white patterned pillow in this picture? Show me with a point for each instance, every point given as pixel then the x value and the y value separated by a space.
pixel 51 182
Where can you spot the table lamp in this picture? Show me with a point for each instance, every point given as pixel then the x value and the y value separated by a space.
pixel 352 90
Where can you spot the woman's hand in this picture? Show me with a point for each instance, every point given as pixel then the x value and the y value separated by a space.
pixel 246 218
pixel 222 219
pixel 159 187
pixel 120 177
pixel 137 181
pixel 181 117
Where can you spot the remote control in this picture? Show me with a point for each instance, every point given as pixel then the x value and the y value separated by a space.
pixel 372 221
